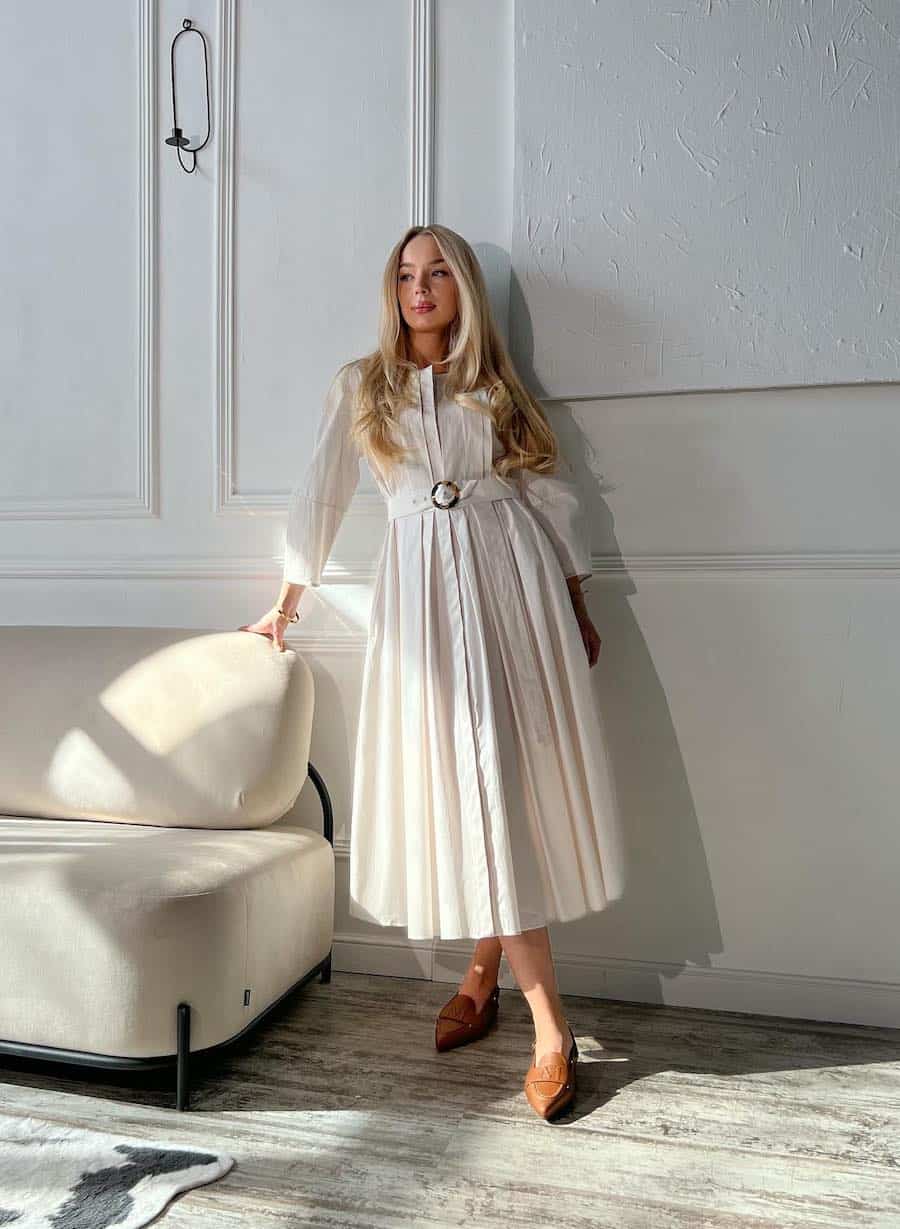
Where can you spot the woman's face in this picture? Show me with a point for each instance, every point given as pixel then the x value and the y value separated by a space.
pixel 426 289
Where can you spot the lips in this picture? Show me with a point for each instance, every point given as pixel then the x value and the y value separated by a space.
pixel 424 307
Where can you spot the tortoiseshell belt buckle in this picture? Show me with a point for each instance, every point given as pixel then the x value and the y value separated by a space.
pixel 445 482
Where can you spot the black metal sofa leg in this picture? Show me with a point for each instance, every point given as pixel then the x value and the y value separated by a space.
pixel 182 1091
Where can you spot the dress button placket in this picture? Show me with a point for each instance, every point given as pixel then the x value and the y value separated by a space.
pixel 474 805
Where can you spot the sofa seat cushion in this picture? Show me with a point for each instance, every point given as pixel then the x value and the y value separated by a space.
pixel 108 927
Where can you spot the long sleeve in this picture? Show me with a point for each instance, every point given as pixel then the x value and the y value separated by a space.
pixel 321 497
pixel 555 502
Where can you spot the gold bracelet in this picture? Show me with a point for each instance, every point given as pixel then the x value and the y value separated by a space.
pixel 290 618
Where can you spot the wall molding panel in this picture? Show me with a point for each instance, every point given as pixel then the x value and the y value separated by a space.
pixel 422 104
pixel 846 565
pixel 227 498
pixel 145 500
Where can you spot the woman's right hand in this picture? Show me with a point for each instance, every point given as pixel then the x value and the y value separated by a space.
pixel 271 625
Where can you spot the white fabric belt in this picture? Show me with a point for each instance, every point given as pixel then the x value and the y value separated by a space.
pixel 444 495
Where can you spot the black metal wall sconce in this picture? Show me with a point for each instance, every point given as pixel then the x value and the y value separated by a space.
pixel 178 139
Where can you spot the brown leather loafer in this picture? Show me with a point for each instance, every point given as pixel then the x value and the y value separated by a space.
pixel 550 1088
pixel 458 1022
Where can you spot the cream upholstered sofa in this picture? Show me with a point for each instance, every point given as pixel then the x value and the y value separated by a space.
pixel 155 899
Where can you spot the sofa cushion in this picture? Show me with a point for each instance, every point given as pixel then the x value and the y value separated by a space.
pixel 107 928
pixel 137 725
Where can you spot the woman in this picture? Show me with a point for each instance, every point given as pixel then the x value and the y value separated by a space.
pixel 482 797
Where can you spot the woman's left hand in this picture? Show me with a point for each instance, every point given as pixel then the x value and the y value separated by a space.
pixel 589 634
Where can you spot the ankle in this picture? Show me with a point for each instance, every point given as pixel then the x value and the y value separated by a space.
pixel 549 1027
pixel 482 983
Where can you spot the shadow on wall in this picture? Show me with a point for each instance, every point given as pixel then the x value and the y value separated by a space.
pixel 669 905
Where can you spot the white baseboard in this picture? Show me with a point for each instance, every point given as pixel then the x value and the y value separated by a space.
pixel 795 996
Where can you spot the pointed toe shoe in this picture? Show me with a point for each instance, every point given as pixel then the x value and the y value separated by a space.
pixel 550 1086
pixel 459 1022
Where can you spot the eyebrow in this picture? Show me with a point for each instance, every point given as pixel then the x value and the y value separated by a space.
pixel 408 263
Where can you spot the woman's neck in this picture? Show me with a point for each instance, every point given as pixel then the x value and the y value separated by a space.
pixel 430 356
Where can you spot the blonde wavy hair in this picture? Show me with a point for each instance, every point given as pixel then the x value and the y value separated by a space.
pixel 477 359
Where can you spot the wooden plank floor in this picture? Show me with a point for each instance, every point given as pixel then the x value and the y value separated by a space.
pixel 341 1114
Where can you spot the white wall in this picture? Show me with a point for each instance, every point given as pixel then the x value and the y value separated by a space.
pixel 706 194
pixel 166 340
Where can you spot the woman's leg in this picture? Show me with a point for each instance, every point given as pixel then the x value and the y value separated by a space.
pixel 481 975
pixel 531 961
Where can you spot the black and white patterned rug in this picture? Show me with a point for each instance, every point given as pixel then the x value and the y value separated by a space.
pixel 54 1176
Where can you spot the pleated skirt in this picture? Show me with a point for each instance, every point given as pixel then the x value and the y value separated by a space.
pixel 483 797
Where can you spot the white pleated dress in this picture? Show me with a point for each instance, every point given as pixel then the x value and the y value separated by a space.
pixel 483 799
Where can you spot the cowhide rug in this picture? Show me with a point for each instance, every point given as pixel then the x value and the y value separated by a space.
pixel 54 1176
